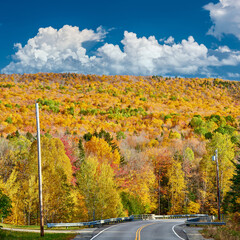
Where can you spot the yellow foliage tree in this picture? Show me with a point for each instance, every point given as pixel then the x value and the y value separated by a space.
pixel 226 161
pixel 101 149
pixel 177 187
pixel 97 185
pixel 57 175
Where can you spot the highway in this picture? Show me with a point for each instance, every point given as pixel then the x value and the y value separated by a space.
pixel 143 230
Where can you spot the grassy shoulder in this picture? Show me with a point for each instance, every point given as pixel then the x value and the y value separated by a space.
pixel 230 232
pixel 10 235
pixel 4 225
pixel 37 227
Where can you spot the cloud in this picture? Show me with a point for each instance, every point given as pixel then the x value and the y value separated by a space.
pixel 170 40
pixel 233 75
pixel 54 50
pixel 223 49
pixel 146 56
pixel 225 17
pixel 62 50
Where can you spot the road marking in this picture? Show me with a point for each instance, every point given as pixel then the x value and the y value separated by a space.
pixel 138 233
pixel 102 232
pixel 176 233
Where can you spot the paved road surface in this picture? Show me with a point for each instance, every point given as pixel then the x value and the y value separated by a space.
pixel 142 230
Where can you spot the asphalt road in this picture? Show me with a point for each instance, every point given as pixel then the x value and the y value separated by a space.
pixel 143 230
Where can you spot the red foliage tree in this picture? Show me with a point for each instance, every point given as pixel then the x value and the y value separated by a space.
pixel 69 150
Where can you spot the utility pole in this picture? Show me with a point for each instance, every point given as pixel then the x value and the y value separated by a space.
pixel 39 172
pixel 159 192
pixel 215 158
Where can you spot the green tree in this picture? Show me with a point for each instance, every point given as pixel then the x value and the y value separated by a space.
pixel 5 205
pixel 131 203
pixel 232 199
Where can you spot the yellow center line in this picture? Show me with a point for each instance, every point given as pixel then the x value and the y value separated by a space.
pixel 138 233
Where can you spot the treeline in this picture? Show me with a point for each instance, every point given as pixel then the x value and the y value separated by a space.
pixel 152 156
pixel 77 104
pixel 100 177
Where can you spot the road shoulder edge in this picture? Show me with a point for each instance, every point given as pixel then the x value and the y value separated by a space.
pixel 193 233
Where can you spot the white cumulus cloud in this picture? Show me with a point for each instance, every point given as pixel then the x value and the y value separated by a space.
pixel 226 18
pixel 63 50
pixel 223 49
pixel 54 50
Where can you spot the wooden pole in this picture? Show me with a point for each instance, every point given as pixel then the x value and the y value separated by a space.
pixel 159 191
pixel 39 173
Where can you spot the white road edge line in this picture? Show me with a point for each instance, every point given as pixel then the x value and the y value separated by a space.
pixel 103 231
pixel 176 233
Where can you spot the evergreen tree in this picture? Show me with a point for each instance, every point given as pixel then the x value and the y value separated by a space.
pixel 5 205
pixel 233 196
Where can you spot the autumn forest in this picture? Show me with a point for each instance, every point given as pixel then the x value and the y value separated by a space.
pixel 117 145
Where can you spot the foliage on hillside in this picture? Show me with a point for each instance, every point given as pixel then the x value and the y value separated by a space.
pixel 79 103
pixel 116 145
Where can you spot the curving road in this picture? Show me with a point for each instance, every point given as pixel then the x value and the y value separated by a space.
pixel 143 230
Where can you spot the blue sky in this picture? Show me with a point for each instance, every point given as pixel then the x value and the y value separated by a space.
pixel 184 38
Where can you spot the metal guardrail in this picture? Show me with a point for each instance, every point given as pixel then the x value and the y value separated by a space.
pixel 143 216
pixel 132 217
pixel 92 223
pixel 205 223
pixel 179 216
pixel 208 220
pixel 153 216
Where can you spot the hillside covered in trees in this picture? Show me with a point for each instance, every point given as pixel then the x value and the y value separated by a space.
pixel 117 145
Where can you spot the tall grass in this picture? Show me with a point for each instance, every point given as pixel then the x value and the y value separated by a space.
pixel 10 235
pixel 229 232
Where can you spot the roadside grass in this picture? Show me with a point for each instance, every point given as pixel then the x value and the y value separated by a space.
pixel 4 225
pixel 229 232
pixel 10 235
pixel 220 233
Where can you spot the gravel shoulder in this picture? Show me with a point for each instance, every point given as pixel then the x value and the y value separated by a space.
pixel 194 234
